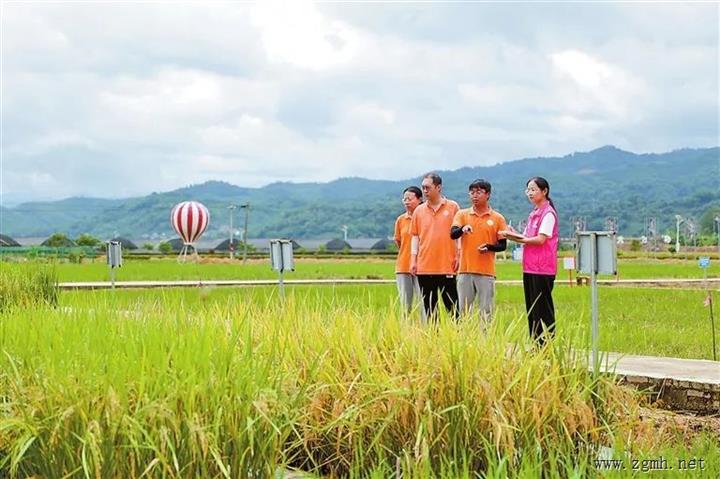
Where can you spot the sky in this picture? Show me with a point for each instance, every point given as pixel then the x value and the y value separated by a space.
pixel 119 99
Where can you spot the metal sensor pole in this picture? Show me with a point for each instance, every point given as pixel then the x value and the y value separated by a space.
pixel 232 209
pixel 246 207
pixel 678 220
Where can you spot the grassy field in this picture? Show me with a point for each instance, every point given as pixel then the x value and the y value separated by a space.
pixel 228 383
pixel 656 322
pixel 372 268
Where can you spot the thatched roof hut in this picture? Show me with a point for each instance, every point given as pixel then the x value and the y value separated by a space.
pixel 384 245
pixel 337 245
pixel 176 244
pixel 57 242
pixel 5 240
pixel 125 243
pixel 225 245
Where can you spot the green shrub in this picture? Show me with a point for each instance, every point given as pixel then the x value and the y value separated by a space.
pixel 59 240
pixel 76 256
pixel 165 248
pixel 87 240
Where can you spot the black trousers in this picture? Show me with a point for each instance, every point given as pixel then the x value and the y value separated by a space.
pixel 539 305
pixel 433 284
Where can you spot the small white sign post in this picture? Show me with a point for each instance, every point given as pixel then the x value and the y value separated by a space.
pixel 596 254
pixel 281 260
pixel 114 259
pixel 704 263
pixel 569 265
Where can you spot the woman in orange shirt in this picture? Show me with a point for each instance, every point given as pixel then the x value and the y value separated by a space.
pixel 407 283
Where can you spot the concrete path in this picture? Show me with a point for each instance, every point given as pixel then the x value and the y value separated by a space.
pixel 690 370
pixel 678 384
pixel 690 283
pixel 237 283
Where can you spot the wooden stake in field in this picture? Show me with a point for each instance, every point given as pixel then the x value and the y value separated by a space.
pixel 704 263
pixel 709 304
pixel 569 265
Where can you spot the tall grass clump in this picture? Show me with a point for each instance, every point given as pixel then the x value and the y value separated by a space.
pixel 248 388
pixel 27 286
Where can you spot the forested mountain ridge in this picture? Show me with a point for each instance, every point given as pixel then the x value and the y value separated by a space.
pixel 596 184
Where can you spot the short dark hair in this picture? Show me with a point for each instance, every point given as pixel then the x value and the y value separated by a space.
pixel 434 177
pixel 415 190
pixel 482 184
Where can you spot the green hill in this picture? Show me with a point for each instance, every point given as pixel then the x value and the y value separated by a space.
pixel 596 184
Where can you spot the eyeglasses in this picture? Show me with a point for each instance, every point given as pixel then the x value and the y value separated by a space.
pixel 426 187
pixel 531 189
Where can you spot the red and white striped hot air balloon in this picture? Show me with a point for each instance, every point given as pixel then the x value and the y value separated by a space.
pixel 190 219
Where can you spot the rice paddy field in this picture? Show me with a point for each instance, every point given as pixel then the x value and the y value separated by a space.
pixel 333 382
pixel 371 267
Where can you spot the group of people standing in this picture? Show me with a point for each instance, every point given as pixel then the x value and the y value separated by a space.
pixel 447 253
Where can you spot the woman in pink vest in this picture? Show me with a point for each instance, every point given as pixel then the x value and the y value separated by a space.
pixel 539 259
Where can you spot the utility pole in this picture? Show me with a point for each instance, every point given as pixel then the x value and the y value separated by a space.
pixel 652 231
pixel 579 223
pixel 690 231
pixel 246 207
pixel 344 230
pixel 232 209
pixel 611 224
pixel 678 220
pixel 521 225
pixel 717 222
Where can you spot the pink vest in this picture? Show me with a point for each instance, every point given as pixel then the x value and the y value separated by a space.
pixel 541 259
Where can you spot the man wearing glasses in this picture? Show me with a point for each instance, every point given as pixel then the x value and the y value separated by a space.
pixel 433 254
pixel 478 228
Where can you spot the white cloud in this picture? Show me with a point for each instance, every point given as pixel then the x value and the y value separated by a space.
pixel 584 69
pixel 53 140
pixel 598 89
pixel 296 33
pixel 126 98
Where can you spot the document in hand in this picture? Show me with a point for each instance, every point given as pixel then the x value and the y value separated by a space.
pixel 511 235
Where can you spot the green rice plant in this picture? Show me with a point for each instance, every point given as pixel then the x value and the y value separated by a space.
pixel 453 396
pixel 654 322
pixel 118 396
pixel 28 286
pixel 337 386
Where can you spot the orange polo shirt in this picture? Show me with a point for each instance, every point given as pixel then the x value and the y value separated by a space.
pixel 403 236
pixel 485 230
pixel 436 251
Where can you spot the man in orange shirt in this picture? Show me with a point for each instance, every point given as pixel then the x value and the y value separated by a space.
pixel 434 255
pixel 407 283
pixel 478 229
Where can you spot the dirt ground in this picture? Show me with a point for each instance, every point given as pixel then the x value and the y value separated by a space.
pixel 688 424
